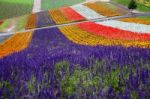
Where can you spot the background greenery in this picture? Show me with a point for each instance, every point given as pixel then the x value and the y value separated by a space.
pixel 13 8
pixel 140 6
pixel 49 4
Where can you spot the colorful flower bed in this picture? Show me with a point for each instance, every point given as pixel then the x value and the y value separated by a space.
pixel 43 19
pixel 101 9
pixel 58 16
pixel 136 20
pixel 86 12
pixel 52 66
pixel 15 43
pixel 138 28
pixel 113 33
pixel 103 60
pixel 71 14
pixel 31 23
pixel 80 36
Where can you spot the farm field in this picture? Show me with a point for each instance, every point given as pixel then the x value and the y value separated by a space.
pixel 63 15
pixel 76 52
pixel 50 53
pixel 51 4
pixel 13 8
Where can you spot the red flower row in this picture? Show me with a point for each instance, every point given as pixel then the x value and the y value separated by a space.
pixel 71 14
pixel 113 33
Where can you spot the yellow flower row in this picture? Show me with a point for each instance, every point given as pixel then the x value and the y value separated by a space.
pixel 79 36
pixel 58 16
pixel 136 20
pixel 15 43
pixel 101 9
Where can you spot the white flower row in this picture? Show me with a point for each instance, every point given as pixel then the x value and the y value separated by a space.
pixel 134 27
pixel 86 12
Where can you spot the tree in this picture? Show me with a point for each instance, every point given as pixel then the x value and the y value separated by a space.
pixel 132 5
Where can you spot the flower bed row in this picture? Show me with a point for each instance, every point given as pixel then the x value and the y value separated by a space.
pixel 86 12
pixel 136 20
pixel 15 43
pixel 65 15
pixel 101 9
pixel 71 14
pixel 113 33
pixel 137 28
pixel 79 36
pixel 58 16
pixel 54 67
pixel 31 23
pixel 112 7
pixel 43 19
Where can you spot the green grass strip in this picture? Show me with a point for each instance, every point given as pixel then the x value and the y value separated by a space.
pixel 21 23
pixel 4 25
pixel 13 8
pixel 50 4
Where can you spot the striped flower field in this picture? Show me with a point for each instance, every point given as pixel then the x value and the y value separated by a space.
pixel 86 60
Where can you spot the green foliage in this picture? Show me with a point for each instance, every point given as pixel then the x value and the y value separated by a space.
pixel 61 67
pixel 8 88
pixel 140 6
pixel 68 85
pixel 112 79
pixel 30 84
pixel 134 95
pixel 72 83
pixel 132 4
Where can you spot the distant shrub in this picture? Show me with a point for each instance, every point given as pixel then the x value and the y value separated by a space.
pixel 132 5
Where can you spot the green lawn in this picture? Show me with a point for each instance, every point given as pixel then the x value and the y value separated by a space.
pixel 20 23
pixel 144 17
pixel 5 25
pixel 13 8
pixel 49 4
pixel 140 7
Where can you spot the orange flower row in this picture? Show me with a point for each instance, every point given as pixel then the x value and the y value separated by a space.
pixel 136 20
pixel 31 23
pixel 58 16
pixel 80 36
pixel 101 9
pixel 15 43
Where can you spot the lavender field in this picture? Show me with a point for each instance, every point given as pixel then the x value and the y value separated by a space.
pixel 54 67
pixel 90 50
